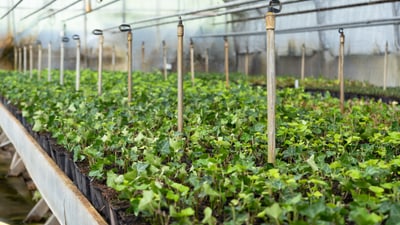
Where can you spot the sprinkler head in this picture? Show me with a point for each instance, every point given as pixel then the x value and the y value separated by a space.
pixel 75 37
pixel 272 6
pixel 125 28
pixel 97 32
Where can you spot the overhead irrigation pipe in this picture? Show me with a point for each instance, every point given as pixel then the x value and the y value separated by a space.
pixel 78 61
pixel 100 63
pixel 226 5
pixel 273 8
pixel 11 9
pixel 127 28
pixel 359 24
pixel 38 10
pixel 60 10
pixel 63 40
pixel 306 11
pixel 91 10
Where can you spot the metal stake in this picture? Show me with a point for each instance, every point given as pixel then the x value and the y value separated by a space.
pixel 165 59
pixel 49 62
pixel 30 61
pixel 385 66
pixel 226 45
pixel 39 59
pixel 15 58
pixel 25 61
pixel 100 63
pixel 271 82
pixel 246 62
pixel 206 61
pixel 192 60
pixel 63 40
pixel 180 75
pixel 303 56
pixel 78 61
pixel 20 59
pixel 127 28
pixel 113 58
pixel 143 51
pixel 340 74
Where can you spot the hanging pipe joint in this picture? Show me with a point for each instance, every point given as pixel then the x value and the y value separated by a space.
pixel 275 6
pixel 125 28
pixel 65 39
pixel 97 32
pixel 75 37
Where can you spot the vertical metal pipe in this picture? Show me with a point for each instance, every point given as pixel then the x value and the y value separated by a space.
pixel 385 66
pixel 39 59
pixel 192 60
pixel 15 58
pixel 271 84
pixel 113 58
pixel 226 45
pixel 206 61
pixel 341 65
pixel 143 51
pixel 165 59
pixel 100 61
pixel 78 62
pixel 25 59
pixel 20 59
pixel 303 59
pixel 49 62
pixel 180 75
pixel 246 62
pixel 129 66
pixel 30 61
pixel 62 62
pixel 100 69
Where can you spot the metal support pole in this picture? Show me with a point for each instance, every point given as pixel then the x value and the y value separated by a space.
pixel 20 59
pixel 25 59
pixel 100 61
pixel 143 51
pixel 226 45
pixel 192 60
pixel 180 75
pixel 303 59
pixel 39 59
pixel 78 62
pixel 385 66
pixel 63 40
pixel 15 58
pixel 30 61
pixel 246 62
pixel 113 58
pixel 49 62
pixel 271 82
pixel 340 72
pixel 127 28
pixel 165 59
pixel 206 61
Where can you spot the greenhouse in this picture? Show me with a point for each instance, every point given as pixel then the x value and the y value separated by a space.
pixel 200 112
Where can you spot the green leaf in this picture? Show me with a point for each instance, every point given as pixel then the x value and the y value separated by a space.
pixel 394 215
pixel 274 211
pixel 208 217
pixel 362 216
pixel 377 190
pixel 147 199
pixel 184 213
pixel 310 161
pixel 181 188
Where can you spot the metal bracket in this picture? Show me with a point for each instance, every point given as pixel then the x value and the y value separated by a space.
pixel 125 28
pixel 75 37
pixel 97 32
pixel 272 6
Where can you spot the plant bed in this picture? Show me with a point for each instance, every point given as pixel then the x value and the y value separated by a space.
pixel 331 167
